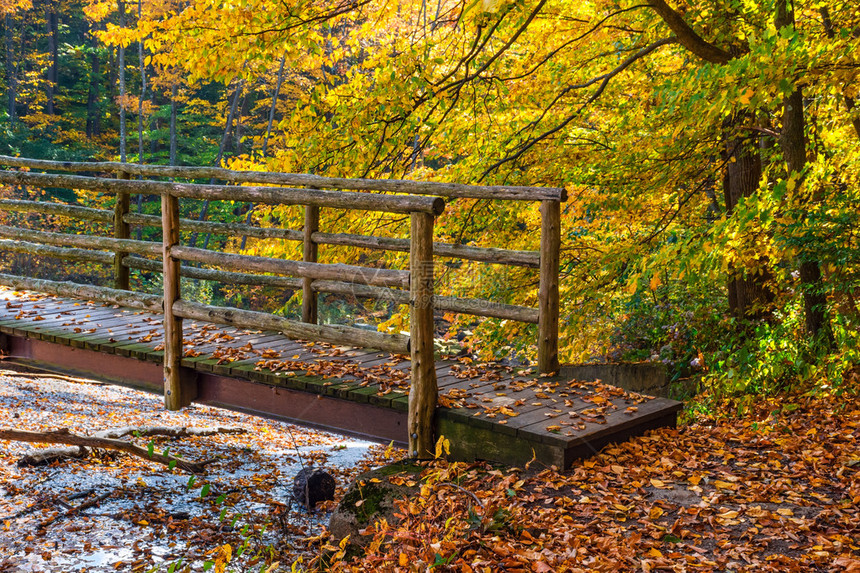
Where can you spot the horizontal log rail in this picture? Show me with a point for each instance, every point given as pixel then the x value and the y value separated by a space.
pixel 452 190
pixel 350 273
pixel 334 334
pixel 482 254
pixel 48 208
pixel 216 228
pixel 106 216
pixel 136 300
pixel 475 307
pixel 65 253
pixel 472 306
pixel 529 259
pixel 226 277
pixel 81 241
pixel 268 195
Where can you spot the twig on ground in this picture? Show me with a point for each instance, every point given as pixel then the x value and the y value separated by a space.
pixel 87 504
pixel 464 490
pixel 42 503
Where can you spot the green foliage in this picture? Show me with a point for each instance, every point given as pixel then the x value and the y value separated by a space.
pixel 642 131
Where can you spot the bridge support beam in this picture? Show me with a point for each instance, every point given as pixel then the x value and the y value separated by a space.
pixel 548 296
pixel 423 391
pixel 309 255
pixel 176 393
pixel 121 230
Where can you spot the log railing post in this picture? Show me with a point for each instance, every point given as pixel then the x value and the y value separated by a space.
pixel 310 250
pixel 121 230
pixel 175 396
pixel 548 297
pixel 423 391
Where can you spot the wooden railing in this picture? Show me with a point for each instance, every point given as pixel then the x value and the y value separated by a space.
pixel 312 277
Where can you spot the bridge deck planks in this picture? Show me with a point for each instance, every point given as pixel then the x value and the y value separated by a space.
pixel 495 412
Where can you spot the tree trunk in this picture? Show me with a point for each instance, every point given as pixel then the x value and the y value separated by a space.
pixel 749 293
pixel 113 75
pixel 237 132
pixel 224 138
pixel 122 129
pixel 142 94
pixel 274 104
pixel 849 101
pixel 173 124
pixel 792 141
pixel 93 115
pixel 52 31
pixel 11 80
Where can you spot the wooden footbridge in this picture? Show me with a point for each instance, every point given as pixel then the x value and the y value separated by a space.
pixel 378 385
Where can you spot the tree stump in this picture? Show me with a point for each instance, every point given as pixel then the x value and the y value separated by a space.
pixel 313 485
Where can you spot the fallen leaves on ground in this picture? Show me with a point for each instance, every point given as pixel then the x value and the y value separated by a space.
pixel 109 512
pixel 775 491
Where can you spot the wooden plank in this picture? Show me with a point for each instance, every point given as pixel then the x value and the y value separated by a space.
pixel 616 422
pixel 91 335
pixel 11 319
pixel 63 326
pixel 124 334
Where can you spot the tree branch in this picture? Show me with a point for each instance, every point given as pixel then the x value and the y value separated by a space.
pixel 63 436
pixel 604 81
pixel 688 37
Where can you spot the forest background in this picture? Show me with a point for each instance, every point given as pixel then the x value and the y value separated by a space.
pixel 710 153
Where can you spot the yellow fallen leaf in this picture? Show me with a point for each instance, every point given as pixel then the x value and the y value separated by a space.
pixel 785 511
pixel 657 483
pixel 724 484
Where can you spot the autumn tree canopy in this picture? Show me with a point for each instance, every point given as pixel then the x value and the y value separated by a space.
pixel 710 148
